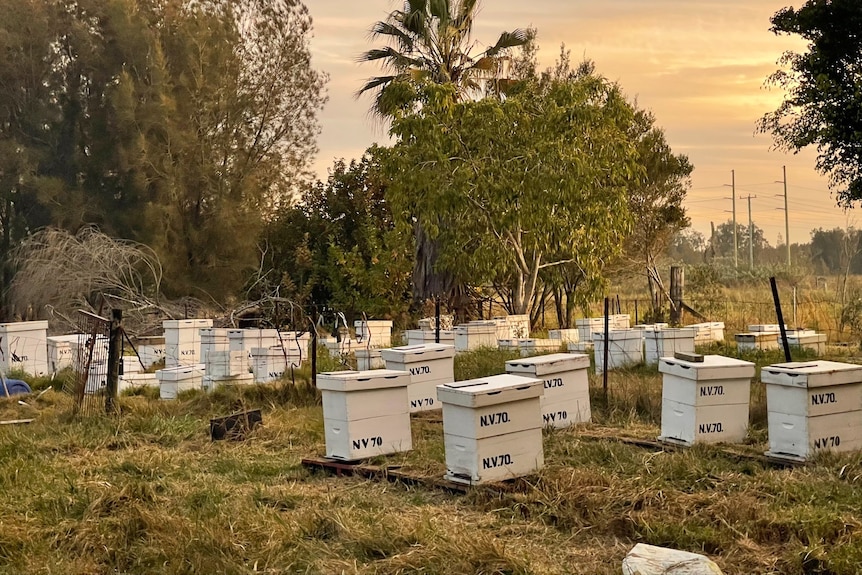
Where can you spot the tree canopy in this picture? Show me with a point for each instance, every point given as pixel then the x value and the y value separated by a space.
pixel 514 186
pixel 176 123
pixel 822 106
pixel 430 41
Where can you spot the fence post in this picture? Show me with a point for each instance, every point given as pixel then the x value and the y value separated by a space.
pixel 677 284
pixel 115 356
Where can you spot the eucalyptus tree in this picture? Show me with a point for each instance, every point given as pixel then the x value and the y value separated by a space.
pixel 515 186
pixel 430 42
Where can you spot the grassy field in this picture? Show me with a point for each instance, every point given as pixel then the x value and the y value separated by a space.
pixel 148 492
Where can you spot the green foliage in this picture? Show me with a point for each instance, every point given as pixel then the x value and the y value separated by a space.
pixel 339 247
pixel 822 106
pixel 431 43
pixel 512 187
pixel 175 124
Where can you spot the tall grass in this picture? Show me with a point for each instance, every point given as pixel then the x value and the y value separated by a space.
pixel 148 492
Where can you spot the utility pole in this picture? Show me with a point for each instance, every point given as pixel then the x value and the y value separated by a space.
pixel 786 215
pixel 735 241
pixel 750 233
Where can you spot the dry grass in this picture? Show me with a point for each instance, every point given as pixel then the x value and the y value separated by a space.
pixel 148 492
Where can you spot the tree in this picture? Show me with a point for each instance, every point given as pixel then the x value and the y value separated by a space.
pixel 687 246
pixel 339 246
pixel 513 187
pixel 655 202
pixel 429 41
pixel 822 106
pixel 723 241
pixel 173 123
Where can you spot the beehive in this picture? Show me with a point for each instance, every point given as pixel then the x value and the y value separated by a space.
pixel 813 406
pixel 809 340
pixel 136 381
pixel 565 386
pixel 373 332
pixel 564 335
pixel 175 380
pixel 270 363
pixel 151 350
pixel 533 346
pixel 587 326
pixel 429 365
pixel 757 340
pixel 213 339
pixel 24 347
pixel 705 402
pixel 475 335
pixel 422 336
pixel 365 413
pixel 665 342
pixel 61 351
pixel 492 428
pixel 225 363
pixel 183 341
pixel 246 339
pixel 369 358
pixel 625 349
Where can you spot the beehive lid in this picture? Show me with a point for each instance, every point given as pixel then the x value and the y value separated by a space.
pixel 179 373
pixel 547 364
pixel 712 367
pixel 811 373
pixel 618 334
pixel 24 326
pixel 491 390
pixel 476 327
pixel 420 352
pixel 214 331
pixel 187 323
pixel 671 333
pixel 373 322
pixel 71 338
pixel 273 351
pixel 362 380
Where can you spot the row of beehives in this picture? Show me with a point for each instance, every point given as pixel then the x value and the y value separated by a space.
pixel 811 406
pixel 492 427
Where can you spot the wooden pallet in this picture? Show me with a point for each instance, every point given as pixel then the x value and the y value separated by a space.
pixel 395 473
pixel 731 452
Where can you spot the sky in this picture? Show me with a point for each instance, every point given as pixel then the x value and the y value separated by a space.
pixel 698 65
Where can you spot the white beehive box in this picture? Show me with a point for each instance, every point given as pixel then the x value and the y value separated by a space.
pixel 210 382
pixel 765 328
pixel 815 342
pixel 175 380
pixel 813 406
pixel 564 335
pixel 246 339
pixel 225 363
pixel 343 347
pixel 183 341
pixel 708 332
pixel 151 350
pixel 535 346
pixel 373 332
pixel 369 358
pixel 61 351
pixel 429 365
pixel 516 326
pixel 565 386
pixel 513 344
pixel 492 428
pixel 588 325
pixel 620 321
pixel 475 335
pixel 136 381
pixel 422 336
pixel 24 347
pixel 666 342
pixel 365 413
pixel 270 363
pixel 625 349
pixel 213 339
pixel 131 364
pixel 705 402
pixel 757 340
pixel 297 341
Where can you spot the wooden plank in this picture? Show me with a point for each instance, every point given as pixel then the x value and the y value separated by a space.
pixel 16 421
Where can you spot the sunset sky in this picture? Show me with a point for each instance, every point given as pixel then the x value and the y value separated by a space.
pixel 699 65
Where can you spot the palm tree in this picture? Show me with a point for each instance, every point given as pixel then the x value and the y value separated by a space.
pixel 429 41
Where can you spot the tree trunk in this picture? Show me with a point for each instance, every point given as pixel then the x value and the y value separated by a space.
pixel 558 307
